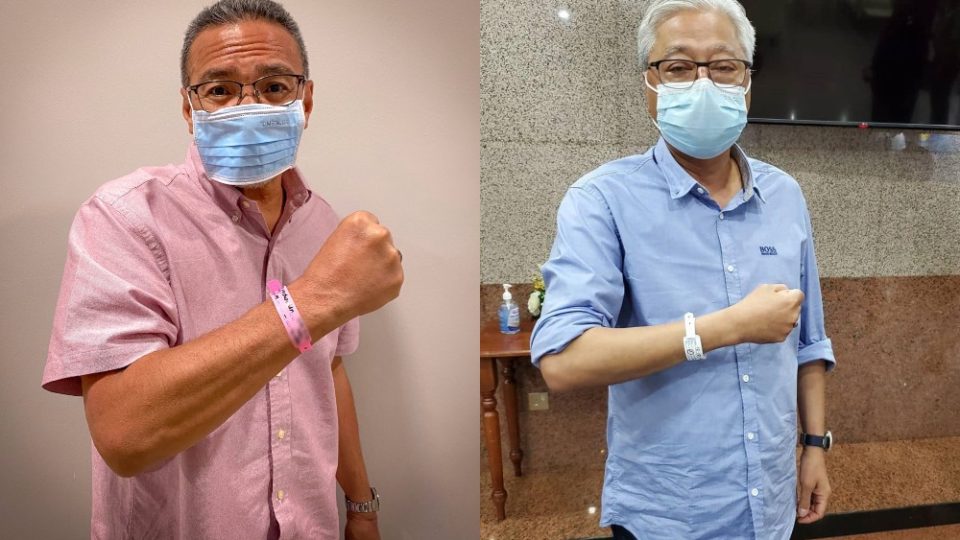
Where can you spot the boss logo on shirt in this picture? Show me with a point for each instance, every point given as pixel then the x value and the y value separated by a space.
pixel 768 250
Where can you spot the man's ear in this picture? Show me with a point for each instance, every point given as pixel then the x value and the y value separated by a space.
pixel 307 102
pixel 186 110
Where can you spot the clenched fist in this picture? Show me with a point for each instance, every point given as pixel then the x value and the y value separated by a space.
pixel 356 271
pixel 768 314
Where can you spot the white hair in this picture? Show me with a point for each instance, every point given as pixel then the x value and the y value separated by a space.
pixel 660 10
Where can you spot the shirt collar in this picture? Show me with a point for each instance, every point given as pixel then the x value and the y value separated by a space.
pixel 680 182
pixel 229 198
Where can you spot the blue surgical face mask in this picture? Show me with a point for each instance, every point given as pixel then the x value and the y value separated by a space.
pixel 702 121
pixel 248 144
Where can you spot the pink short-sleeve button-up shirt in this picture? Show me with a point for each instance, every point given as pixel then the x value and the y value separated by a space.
pixel 156 259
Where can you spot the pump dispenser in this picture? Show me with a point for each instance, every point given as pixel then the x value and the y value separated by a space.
pixel 509 313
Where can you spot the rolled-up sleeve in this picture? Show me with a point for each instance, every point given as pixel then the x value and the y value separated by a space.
pixel 814 344
pixel 584 275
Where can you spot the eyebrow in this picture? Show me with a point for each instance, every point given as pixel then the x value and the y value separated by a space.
pixel 263 70
pixel 720 47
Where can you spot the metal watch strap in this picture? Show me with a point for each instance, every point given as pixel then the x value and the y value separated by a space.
pixel 372 505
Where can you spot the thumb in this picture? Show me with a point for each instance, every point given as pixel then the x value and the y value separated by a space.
pixel 806 492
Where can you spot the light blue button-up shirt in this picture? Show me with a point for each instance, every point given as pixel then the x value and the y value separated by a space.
pixel 704 449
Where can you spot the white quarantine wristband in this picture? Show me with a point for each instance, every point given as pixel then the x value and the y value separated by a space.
pixel 691 341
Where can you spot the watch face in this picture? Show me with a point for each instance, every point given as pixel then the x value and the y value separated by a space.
pixel 827 441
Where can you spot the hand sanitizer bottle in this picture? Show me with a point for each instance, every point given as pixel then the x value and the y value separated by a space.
pixel 509 313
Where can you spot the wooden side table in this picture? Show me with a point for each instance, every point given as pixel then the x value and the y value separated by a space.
pixel 504 348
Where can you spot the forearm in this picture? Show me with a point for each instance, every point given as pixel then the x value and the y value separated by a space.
pixel 170 399
pixel 604 356
pixel 812 473
pixel 351 471
pixel 811 397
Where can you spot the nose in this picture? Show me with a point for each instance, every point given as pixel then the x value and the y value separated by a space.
pixel 703 71
pixel 248 97
pixel 251 94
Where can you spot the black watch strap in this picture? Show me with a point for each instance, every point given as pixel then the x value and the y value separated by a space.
pixel 825 441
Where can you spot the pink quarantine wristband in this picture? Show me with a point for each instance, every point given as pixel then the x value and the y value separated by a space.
pixel 292 321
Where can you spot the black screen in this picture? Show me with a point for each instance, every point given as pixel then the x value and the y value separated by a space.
pixel 879 62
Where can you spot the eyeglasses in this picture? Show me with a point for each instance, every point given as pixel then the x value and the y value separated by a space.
pixel 727 73
pixel 272 89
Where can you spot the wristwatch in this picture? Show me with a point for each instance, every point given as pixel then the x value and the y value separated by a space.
pixel 372 505
pixel 825 442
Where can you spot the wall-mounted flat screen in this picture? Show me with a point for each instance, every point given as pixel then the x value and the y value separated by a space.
pixel 885 63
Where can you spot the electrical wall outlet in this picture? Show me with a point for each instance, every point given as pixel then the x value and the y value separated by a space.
pixel 538 401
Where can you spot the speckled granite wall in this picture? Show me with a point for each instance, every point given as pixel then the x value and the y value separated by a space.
pixel 560 97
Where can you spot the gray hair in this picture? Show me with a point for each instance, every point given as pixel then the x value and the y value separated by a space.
pixel 660 10
pixel 234 11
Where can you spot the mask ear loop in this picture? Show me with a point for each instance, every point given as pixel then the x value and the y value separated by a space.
pixel 655 91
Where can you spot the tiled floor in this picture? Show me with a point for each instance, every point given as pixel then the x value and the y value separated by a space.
pixel 544 505
pixel 948 532
pixel 560 506
pixel 565 504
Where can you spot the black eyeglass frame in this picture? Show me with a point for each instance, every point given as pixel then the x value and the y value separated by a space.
pixel 256 93
pixel 656 67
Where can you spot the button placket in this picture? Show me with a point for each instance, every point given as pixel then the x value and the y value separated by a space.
pixel 742 357
pixel 282 473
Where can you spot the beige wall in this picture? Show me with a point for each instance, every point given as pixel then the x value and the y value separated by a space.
pixel 90 93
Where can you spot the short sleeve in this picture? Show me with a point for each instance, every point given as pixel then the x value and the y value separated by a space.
pixel 115 303
pixel 348 338
pixel 584 274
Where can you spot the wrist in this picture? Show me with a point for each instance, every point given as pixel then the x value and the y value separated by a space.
pixel 813 454
pixel 721 328
pixel 363 516
pixel 321 312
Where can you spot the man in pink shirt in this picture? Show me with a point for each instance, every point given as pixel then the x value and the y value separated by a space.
pixel 206 418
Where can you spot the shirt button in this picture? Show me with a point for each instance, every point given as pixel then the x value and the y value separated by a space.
pixel 700 190
pixel 235 218
pixel 750 436
pixel 245 204
pixel 753 492
pixel 281 494
pixel 730 268
pixel 281 434
pixel 721 215
pixel 746 378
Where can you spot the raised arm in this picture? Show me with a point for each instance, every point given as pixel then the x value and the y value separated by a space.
pixel 170 399
pixel 577 344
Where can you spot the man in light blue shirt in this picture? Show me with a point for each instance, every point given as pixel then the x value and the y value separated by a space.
pixel 685 279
